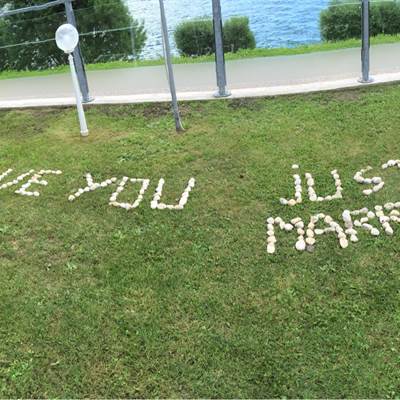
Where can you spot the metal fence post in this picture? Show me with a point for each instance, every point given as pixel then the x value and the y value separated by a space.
pixel 78 59
pixel 168 64
pixel 219 50
pixel 365 46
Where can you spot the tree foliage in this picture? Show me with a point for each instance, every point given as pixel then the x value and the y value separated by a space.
pixel 93 16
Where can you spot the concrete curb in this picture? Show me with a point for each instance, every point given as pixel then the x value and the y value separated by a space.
pixel 206 95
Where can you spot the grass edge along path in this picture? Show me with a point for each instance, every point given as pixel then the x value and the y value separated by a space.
pixel 242 54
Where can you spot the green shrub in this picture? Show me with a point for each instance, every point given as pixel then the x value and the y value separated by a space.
pixel 341 22
pixel 238 35
pixel 196 37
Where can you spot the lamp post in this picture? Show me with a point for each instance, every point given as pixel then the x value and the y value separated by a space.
pixel 67 38
pixel 170 72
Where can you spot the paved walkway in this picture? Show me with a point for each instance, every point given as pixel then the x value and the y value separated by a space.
pixel 258 76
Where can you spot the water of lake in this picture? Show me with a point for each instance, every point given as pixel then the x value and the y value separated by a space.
pixel 275 23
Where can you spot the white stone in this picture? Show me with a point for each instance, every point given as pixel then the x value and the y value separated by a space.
pixel 313 198
pixel 288 227
pixel 310 241
pixel 354 238
pixel 389 206
pixel 346 216
pixel 389 230
pixel 377 188
pixel 300 245
pixel 375 232
pixel 310 233
pixel 271 248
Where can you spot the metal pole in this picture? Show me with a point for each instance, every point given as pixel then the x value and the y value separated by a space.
pixel 81 112
pixel 168 63
pixel 78 59
pixel 219 50
pixel 365 47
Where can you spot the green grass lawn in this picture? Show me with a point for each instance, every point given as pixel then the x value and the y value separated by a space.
pixel 97 302
pixel 241 54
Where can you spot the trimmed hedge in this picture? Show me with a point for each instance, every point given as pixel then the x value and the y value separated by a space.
pixel 341 22
pixel 238 35
pixel 196 37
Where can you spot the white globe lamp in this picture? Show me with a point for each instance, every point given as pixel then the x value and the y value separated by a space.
pixel 67 38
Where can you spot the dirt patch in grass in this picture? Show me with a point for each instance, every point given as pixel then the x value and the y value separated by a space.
pixel 247 103
pixel 22 124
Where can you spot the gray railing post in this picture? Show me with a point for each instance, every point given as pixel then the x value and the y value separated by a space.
pixel 219 50
pixel 168 64
pixel 365 46
pixel 78 59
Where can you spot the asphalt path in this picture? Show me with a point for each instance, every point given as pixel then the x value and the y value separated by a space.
pixel 242 74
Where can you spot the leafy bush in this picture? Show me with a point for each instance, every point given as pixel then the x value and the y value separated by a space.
pixel 341 22
pixel 238 35
pixel 92 16
pixel 196 37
